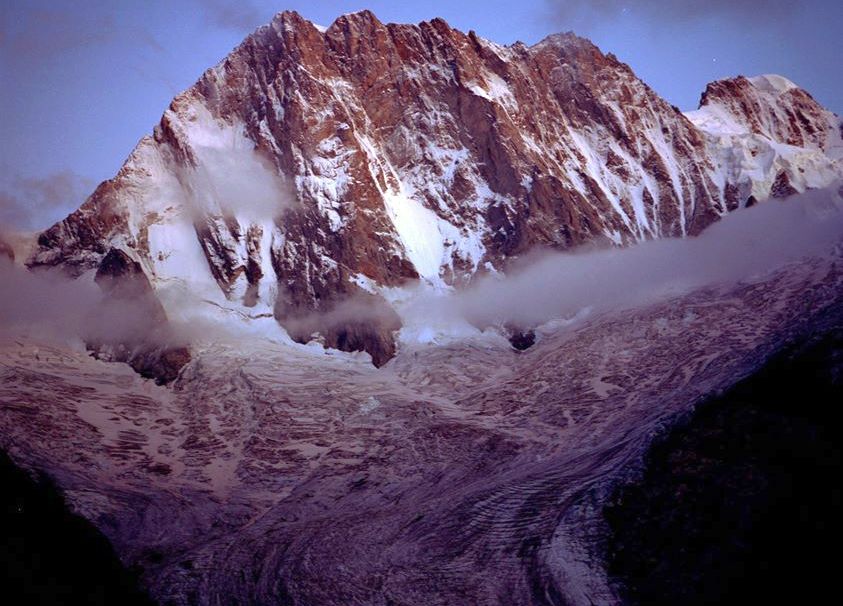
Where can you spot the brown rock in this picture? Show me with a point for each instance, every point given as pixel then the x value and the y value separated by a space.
pixel 362 322
pixel 781 186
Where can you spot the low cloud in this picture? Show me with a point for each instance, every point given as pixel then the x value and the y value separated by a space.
pixel 236 181
pixel 746 245
pixel 51 306
pixel 29 203
pixel 228 175
pixel 549 286
pixel 241 17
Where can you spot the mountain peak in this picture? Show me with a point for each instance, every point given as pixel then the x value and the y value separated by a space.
pixel 771 85
pixel 773 107
pixel 288 20
pixel 360 22
pixel 364 16
pixel 567 38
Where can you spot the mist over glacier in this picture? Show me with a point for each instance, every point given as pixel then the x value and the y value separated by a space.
pixel 546 285
pixel 540 287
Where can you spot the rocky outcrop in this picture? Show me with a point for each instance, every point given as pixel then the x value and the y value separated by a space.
pixel 362 323
pixel 147 346
pixel 121 277
pixel 782 187
pixel 316 165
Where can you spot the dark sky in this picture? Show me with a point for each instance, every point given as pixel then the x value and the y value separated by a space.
pixel 81 81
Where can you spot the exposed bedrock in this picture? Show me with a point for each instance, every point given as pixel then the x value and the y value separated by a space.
pixel 360 322
pixel 134 328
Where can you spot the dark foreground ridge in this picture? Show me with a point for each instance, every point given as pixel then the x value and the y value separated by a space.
pixel 50 556
pixel 741 503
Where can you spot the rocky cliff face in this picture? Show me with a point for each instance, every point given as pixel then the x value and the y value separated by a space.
pixel 316 165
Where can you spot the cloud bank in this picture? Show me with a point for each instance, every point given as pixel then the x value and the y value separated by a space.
pixel 236 181
pixel 551 285
pixel 240 17
pixel 51 306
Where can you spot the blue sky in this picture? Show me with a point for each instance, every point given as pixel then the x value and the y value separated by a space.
pixel 81 81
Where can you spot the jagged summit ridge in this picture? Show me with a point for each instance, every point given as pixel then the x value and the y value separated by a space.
pixel 314 165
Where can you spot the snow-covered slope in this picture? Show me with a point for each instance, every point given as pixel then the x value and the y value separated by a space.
pixel 317 165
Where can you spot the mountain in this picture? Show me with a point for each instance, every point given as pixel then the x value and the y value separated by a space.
pixel 366 182
pixel 314 166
